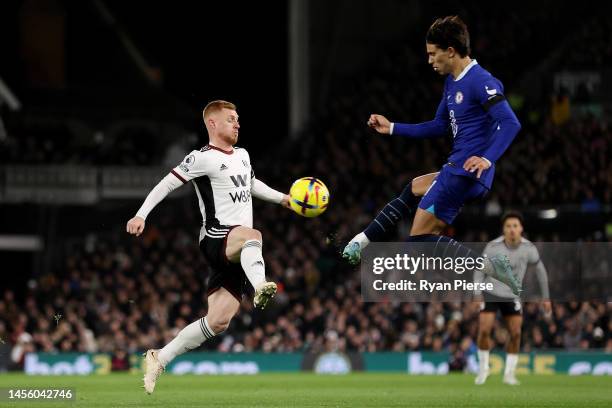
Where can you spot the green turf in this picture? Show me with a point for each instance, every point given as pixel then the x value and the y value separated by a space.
pixel 310 390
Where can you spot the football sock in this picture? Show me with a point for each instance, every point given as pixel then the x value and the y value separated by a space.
pixel 251 259
pixel 448 247
pixel 483 360
pixel 511 361
pixel 189 338
pixel 385 222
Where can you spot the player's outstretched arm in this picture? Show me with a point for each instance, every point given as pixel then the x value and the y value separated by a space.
pixel 437 127
pixel 136 225
pixel 261 190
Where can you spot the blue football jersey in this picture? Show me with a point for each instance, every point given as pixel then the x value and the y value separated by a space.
pixel 475 110
pixel 467 99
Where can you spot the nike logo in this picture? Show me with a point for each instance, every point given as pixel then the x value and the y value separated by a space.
pixel 223 167
pixel 490 91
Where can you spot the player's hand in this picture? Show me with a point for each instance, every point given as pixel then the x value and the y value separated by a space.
pixel 135 226
pixel 476 164
pixel 547 308
pixel 380 124
pixel 285 201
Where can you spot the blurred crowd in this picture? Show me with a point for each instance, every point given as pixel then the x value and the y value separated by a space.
pixel 121 295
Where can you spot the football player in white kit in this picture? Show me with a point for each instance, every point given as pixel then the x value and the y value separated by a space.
pixel 224 182
pixel 521 253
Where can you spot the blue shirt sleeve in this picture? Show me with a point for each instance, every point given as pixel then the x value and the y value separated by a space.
pixel 433 128
pixel 506 124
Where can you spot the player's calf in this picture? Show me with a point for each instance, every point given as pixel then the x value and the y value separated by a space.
pixel 387 219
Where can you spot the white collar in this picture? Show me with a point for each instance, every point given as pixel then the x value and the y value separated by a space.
pixel 466 69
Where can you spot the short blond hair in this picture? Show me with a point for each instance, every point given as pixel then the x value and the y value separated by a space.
pixel 216 106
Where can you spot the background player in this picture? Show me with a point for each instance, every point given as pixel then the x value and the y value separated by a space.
pixel 521 253
pixel 224 182
pixel 482 124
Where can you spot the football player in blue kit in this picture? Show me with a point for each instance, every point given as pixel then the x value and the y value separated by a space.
pixel 473 108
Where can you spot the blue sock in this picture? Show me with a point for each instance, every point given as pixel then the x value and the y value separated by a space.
pixel 445 246
pixel 385 222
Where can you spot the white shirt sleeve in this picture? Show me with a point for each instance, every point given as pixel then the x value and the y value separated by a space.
pixel 543 280
pixel 541 273
pixel 168 184
pixel 260 190
pixel 192 166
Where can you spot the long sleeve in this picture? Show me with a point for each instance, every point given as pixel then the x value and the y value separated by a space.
pixel 260 190
pixel 168 184
pixel 542 276
pixel 433 128
pixel 506 130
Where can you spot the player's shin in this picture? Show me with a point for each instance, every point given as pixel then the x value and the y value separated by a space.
pixel 383 225
pixel 191 337
pixel 510 369
pixel 483 367
pixel 386 221
pixel 483 360
pixel 251 259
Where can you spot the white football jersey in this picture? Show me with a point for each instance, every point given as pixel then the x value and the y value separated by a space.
pixel 222 181
pixel 520 258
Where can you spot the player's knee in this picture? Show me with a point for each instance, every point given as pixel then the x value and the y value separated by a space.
pixel 515 335
pixel 219 324
pixel 484 334
pixel 484 331
pixel 254 234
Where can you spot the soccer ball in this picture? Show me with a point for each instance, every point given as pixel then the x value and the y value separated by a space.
pixel 308 197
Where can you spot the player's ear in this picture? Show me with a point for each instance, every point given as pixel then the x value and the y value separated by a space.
pixel 451 52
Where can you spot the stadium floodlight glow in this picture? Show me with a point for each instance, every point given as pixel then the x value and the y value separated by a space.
pixel 548 214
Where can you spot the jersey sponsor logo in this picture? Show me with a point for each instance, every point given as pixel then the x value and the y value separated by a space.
pixel 223 167
pixel 243 196
pixel 454 126
pixel 239 180
pixel 490 91
pixel 459 97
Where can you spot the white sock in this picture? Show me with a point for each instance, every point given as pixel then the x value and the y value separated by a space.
pixel 361 239
pixel 252 262
pixel 189 338
pixel 511 361
pixel 483 360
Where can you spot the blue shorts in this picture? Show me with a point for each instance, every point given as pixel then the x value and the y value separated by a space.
pixel 448 193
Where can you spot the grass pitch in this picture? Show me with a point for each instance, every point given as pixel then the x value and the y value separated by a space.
pixel 311 390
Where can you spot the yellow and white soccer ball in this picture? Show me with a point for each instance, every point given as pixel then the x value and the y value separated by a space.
pixel 309 197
